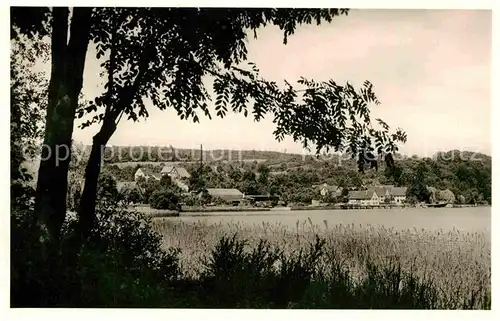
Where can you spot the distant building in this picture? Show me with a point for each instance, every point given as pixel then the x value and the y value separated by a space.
pixel 382 194
pixel 175 172
pixel 146 173
pixel 364 198
pixel 378 195
pixel 226 194
pixel 326 189
pixel 398 195
pixel 179 175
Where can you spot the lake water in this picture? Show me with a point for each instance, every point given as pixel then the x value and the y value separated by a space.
pixel 471 219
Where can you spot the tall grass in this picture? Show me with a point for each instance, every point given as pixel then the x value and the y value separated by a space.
pixel 343 266
pixel 131 260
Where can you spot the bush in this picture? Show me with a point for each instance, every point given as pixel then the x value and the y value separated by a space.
pixel 122 264
pixel 107 193
pixel 131 195
pixel 164 199
pixel 191 200
pixel 149 187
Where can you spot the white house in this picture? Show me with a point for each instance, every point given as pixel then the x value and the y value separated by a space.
pixel 363 198
pixel 146 174
pixel 326 189
pixel 175 172
pixel 398 195
pixel 382 194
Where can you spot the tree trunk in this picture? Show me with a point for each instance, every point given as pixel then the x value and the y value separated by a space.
pixel 68 62
pixel 86 209
pixel 50 197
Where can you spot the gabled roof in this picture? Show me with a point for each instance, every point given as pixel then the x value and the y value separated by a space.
pixel 332 188
pixel 150 173
pixel 146 171
pixel 361 195
pixel 167 169
pixel 380 191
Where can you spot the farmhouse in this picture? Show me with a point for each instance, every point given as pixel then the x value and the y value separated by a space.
pixel 175 172
pixel 326 189
pixel 389 193
pixel 382 193
pixel 146 173
pixel 363 198
pixel 398 195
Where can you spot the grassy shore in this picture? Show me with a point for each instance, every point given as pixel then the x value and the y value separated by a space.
pixel 154 213
pixel 452 267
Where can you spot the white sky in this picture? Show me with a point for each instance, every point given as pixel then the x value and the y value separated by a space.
pixel 430 70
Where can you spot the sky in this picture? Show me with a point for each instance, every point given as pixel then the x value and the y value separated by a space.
pixel 431 70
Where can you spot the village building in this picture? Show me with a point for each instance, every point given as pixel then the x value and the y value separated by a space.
pixel 398 195
pixel 378 196
pixel 179 175
pixel 363 198
pixel 146 173
pixel 175 172
pixel 325 189
pixel 230 195
pixel 383 194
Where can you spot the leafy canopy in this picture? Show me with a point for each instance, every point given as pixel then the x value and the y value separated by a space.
pixel 166 55
pixel 28 98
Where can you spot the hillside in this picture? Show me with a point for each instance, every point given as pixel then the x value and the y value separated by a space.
pixel 292 176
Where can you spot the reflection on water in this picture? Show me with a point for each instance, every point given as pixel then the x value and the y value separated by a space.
pixel 472 219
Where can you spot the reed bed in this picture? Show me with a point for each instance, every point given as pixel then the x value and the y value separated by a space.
pixel 457 263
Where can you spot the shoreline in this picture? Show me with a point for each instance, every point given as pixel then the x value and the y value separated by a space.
pixel 246 211
pixel 223 211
